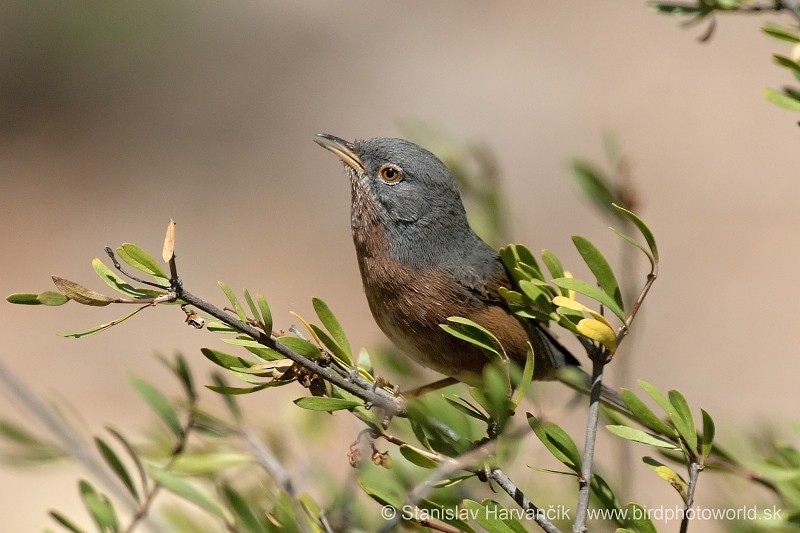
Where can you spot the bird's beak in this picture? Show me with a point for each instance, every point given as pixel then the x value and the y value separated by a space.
pixel 344 149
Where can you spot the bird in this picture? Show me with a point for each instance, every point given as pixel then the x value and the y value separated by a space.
pixel 421 263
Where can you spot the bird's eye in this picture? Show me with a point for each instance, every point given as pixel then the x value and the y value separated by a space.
pixel 390 174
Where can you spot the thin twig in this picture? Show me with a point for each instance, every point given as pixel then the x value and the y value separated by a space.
pixel 694 473
pixel 505 483
pixel 585 480
pixel 267 460
pixel 137 279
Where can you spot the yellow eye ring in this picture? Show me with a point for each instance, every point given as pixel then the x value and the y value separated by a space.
pixel 390 174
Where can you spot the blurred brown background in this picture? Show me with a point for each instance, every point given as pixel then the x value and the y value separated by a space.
pixel 116 117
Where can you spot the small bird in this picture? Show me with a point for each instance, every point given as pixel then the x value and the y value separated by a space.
pixel 421 262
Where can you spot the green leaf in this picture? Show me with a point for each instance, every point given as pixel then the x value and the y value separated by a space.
pixel 637 244
pixel 560 444
pixel 158 403
pixel 328 320
pixel 66 522
pixel 417 457
pixel 595 186
pixel 668 475
pixel 300 346
pixel 489 519
pixel 196 464
pixel 323 403
pixel 183 488
pixel 553 265
pixel 234 391
pixel 237 307
pixel 637 435
pixel 592 291
pixel 32 298
pixel 600 268
pixel 645 415
pixel 684 421
pixel 781 33
pixel 642 227
pixel 708 434
pixel 639 519
pixel 266 315
pixel 525 380
pixel 331 345
pixel 253 309
pixel 225 360
pixel 137 461
pixel 659 398
pixel 118 284
pixel 18 434
pixel 381 487
pixel 99 507
pixel 782 99
pixel 102 327
pixel 116 466
pixel 141 260
pixel 474 333
pixel 497 388
pixel 467 408
pixel 80 294
pixel 248 518
pixel 602 493
pixel 789 63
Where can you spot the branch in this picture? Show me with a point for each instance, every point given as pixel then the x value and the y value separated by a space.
pixel 694 473
pixel 505 483
pixel 584 482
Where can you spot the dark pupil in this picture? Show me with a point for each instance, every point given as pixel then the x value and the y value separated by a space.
pixel 389 173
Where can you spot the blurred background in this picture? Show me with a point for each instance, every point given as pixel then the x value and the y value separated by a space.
pixel 116 117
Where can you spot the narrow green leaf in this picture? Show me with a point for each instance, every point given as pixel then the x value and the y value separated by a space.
pixel 331 345
pixel 158 403
pixel 137 461
pixel 600 268
pixel 488 519
pixel 645 415
pixel 473 333
pixel 141 260
pixel 248 518
pixel 196 464
pixel 18 434
pixel 659 398
pixel 604 495
pixel 708 433
pixel 118 284
pixel 684 421
pixel 642 227
pixel 183 488
pixel 639 518
pixel 237 307
pixel 253 309
pixel 595 186
pixel 526 379
pixel 417 457
pixel 323 403
pixel 44 298
pixel 102 327
pixel 637 244
pixel 300 346
pixel 99 507
pixel 782 99
pixel 66 522
pixel 382 488
pixel 592 291
pixel 467 408
pixel 328 320
pixel 225 360
pixel 234 391
pixel 637 435
pixel 266 314
pixel 789 63
pixel 553 265
pixel 116 466
pixel 560 444
pixel 497 388
pixel 781 33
